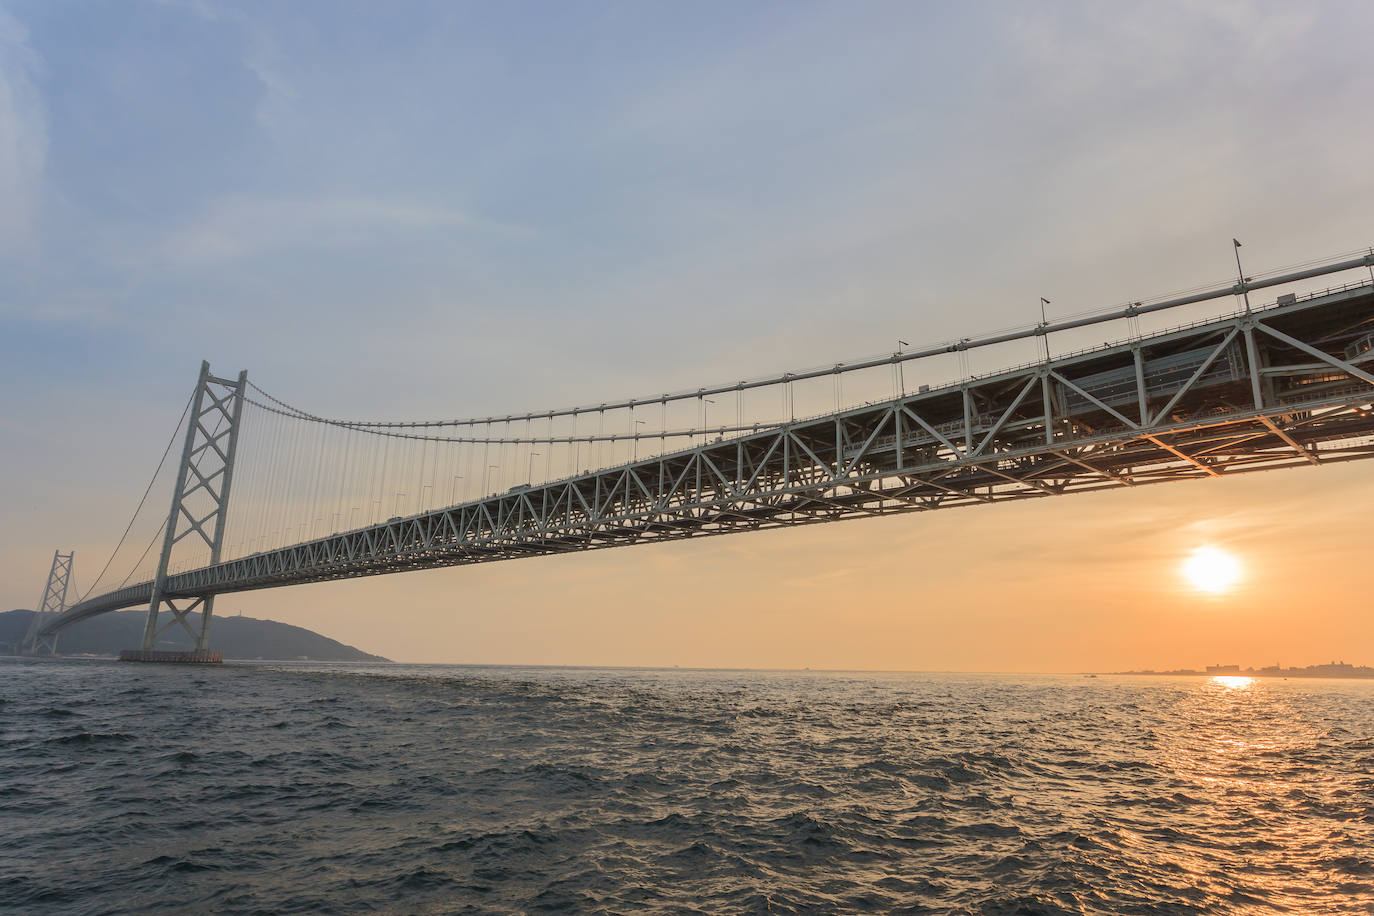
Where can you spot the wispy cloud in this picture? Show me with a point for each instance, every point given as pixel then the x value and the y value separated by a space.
pixel 87 311
pixel 278 94
pixel 261 58
pixel 201 8
pixel 1153 46
pixel 23 136
pixel 238 227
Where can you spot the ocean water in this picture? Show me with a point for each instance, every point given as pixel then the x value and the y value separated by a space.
pixel 262 788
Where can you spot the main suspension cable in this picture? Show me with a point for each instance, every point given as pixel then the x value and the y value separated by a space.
pixel 139 562
pixel 1259 281
pixel 167 451
pixel 600 436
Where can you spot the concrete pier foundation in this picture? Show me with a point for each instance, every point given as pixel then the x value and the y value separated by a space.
pixel 203 657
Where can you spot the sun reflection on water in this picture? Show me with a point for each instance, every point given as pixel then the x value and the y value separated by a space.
pixel 1242 781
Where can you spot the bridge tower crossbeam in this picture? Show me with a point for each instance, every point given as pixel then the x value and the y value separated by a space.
pixel 200 500
pixel 53 603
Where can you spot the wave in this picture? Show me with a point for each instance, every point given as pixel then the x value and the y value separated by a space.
pixel 492 790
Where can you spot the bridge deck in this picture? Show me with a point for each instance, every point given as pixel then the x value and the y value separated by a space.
pixel 1289 385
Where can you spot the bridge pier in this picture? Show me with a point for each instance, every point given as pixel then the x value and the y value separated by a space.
pixel 200 506
pixel 199 657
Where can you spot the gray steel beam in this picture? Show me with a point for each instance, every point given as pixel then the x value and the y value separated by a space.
pixel 1193 388
pixel 50 606
pixel 206 467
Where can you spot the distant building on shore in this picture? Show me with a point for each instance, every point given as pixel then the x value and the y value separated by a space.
pixel 1330 669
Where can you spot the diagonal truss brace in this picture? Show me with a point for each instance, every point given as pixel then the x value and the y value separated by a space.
pixel 179 615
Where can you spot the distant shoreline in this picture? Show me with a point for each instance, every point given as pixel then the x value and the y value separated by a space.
pixel 1331 671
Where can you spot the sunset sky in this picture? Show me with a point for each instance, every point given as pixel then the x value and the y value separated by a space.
pixel 408 210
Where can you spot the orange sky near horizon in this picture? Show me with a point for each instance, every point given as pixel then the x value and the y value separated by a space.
pixel 443 215
pixel 1090 582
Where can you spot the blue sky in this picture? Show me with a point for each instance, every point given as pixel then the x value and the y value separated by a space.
pixel 414 209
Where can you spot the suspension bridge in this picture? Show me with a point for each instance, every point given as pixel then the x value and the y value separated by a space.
pixel 267 494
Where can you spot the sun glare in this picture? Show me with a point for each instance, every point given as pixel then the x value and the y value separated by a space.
pixel 1211 570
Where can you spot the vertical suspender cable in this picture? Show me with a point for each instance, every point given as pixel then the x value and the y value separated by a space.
pixel 382 486
pixel 268 472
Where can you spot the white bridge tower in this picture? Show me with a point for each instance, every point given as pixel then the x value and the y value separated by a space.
pixel 54 602
pixel 200 500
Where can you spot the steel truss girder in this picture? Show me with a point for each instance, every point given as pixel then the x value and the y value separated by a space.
pixel 1188 404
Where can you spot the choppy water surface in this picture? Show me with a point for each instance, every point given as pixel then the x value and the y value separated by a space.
pixel 411 789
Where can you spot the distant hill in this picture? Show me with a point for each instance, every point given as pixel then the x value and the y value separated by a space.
pixel 235 637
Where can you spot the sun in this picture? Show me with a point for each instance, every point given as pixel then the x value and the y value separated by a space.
pixel 1212 570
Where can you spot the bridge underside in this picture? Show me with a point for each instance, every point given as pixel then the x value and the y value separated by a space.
pixel 1289 385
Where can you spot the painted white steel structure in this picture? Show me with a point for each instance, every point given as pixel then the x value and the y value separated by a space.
pixel 1291 384
pixel 200 500
pixel 39 638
